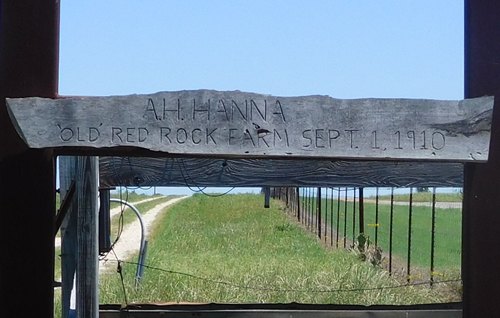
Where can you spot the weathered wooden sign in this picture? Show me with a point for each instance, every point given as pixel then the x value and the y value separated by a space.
pixel 238 124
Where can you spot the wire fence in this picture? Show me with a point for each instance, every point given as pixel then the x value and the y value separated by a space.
pixel 415 235
pixel 418 241
pixel 120 265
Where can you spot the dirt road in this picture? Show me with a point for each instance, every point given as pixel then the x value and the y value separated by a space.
pixel 130 238
pixel 112 212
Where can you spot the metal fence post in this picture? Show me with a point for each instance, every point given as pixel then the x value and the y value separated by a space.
pixel 297 190
pixel 376 217
pixel 410 211
pixel 361 211
pixel 345 218
pixel 354 215
pixel 318 208
pixel 433 234
pixel 326 214
pixel 390 230
pixel 338 219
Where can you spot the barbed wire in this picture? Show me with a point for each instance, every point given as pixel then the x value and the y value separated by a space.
pixel 184 172
pixel 260 288
pixel 273 289
pixel 119 270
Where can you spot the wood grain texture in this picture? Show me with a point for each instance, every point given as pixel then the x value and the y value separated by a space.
pixel 87 256
pixel 132 171
pixel 248 125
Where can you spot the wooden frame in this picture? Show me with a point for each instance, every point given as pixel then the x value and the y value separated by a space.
pixel 29 58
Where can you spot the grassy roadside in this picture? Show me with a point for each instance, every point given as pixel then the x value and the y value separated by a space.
pixel 238 252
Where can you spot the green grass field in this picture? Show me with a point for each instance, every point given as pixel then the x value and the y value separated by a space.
pixel 447 246
pixel 232 250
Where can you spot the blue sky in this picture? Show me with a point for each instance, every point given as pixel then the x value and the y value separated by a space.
pixel 345 49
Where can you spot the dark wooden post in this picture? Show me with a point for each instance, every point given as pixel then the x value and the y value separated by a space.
pixel 481 217
pixel 267 197
pixel 28 67
pixel 104 220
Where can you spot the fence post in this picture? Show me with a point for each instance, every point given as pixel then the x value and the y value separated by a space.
pixel 433 233
pixel 318 208
pixel 104 220
pixel 338 219
pixel 331 219
pixel 298 202
pixel 390 230
pixel 345 218
pixel 306 209
pixel 267 197
pixel 361 211
pixel 309 204
pixel 313 207
pixel 304 199
pixel 87 178
pixel 67 171
pixel 408 260
pixel 354 215
pixel 376 217
pixel 326 214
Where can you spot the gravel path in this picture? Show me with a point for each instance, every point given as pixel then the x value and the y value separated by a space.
pixel 130 238
pixel 112 212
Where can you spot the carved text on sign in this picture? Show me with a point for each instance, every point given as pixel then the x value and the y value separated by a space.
pixel 246 124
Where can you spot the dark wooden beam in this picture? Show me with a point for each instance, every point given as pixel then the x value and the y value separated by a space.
pixel 135 171
pixel 28 67
pixel 481 221
pixel 449 310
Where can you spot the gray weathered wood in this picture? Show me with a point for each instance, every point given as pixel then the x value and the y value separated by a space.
pixel 134 171
pixel 67 171
pixel 243 125
pixel 87 268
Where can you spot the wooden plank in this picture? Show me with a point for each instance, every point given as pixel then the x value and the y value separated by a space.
pixel 87 266
pixel 284 313
pixel 195 172
pixel 442 310
pixel 238 124
pixel 67 171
